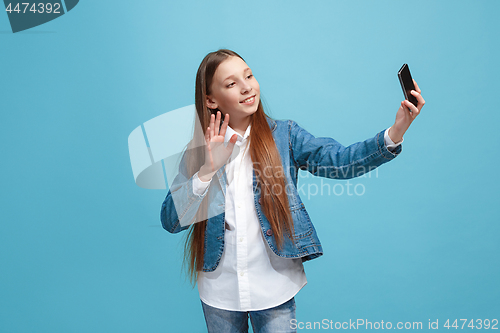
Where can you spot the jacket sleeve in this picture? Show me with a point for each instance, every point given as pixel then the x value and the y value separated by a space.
pixel 325 157
pixel 179 208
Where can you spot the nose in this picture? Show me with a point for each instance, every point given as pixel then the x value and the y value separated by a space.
pixel 246 89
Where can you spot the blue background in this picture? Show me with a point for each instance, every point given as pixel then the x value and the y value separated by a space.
pixel 81 246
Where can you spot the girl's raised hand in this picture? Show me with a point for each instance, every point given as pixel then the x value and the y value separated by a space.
pixel 406 114
pixel 216 155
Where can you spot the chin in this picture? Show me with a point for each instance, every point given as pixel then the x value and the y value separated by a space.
pixel 253 111
pixel 256 105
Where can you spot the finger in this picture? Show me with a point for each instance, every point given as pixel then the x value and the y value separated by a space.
pixel 207 137
pixel 217 123
pixel 405 108
pixel 419 98
pixel 212 121
pixel 416 87
pixel 412 108
pixel 224 125
pixel 207 134
pixel 231 143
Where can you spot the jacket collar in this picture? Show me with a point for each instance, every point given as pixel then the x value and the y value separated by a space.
pixel 272 123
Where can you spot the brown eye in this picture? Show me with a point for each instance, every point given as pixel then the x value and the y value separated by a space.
pixel 230 85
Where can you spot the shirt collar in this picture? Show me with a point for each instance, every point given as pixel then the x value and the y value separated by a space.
pixel 239 138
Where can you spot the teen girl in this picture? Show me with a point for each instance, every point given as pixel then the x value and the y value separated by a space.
pixel 249 232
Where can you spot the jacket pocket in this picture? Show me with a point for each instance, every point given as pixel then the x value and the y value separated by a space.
pixel 302 223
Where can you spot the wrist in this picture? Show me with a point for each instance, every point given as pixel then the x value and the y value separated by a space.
pixel 395 135
pixel 205 174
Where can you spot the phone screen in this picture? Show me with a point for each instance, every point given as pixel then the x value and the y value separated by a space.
pixel 407 84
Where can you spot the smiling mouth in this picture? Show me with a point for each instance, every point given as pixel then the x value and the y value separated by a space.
pixel 248 100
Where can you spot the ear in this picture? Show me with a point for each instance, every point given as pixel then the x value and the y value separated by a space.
pixel 210 103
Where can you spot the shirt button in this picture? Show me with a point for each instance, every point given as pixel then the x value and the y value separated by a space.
pixel 239 206
pixel 242 273
pixel 269 232
pixel 241 239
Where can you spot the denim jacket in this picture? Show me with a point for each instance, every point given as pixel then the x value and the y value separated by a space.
pixel 298 149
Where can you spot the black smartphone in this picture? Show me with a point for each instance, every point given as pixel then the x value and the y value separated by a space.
pixel 407 84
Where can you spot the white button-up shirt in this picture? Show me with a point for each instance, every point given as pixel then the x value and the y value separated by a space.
pixel 250 276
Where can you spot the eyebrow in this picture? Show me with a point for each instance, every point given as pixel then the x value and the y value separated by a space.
pixel 230 76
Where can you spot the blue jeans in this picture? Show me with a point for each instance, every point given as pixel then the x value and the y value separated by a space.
pixel 271 320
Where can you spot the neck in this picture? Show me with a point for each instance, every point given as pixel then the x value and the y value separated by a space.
pixel 240 125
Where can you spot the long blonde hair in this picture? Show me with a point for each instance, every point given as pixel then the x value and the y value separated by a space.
pixel 264 154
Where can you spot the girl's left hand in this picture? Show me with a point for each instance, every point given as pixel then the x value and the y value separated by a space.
pixel 407 112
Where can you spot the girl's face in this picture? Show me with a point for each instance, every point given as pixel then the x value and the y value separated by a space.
pixel 234 90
